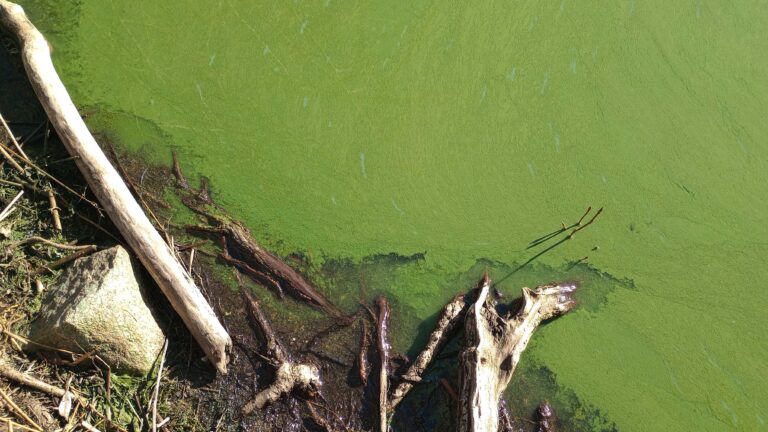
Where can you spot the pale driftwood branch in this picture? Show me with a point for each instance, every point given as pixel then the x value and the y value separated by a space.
pixel 449 318
pixel 113 194
pixel 494 345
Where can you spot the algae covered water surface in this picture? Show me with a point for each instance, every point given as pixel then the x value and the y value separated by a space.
pixel 418 143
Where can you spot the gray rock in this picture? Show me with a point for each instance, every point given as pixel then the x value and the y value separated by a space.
pixel 100 304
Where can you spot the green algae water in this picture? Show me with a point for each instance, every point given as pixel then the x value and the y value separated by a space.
pixel 419 143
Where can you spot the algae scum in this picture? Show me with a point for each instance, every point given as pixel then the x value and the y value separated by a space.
pixel 344 130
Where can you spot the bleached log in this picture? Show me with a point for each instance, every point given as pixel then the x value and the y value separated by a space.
pixel 494 345
pixel 111 191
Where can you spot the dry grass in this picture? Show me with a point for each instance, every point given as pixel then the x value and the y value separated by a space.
pixel 105 401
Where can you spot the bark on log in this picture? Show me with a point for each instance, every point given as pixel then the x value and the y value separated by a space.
pixel 112 193
pixel 493 348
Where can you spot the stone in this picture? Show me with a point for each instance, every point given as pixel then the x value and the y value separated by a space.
pixel 100 303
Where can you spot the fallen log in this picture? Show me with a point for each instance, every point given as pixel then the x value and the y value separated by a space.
pixel 111 191
pixel 494 345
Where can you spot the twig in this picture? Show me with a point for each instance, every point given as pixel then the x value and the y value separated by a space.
pixel 363 367
pixel 258 263
pixel 102 229
pixel 12 425
pixel 449 389
pixel 9 208
pixel 163 422
pixel 505 418
pixel 19 411
pixel 554 245
pixel 320 421
pixel 180 179
pixel 129 182
pixel 180 248
pixel 87 426
pixel 546 417
pixel 60 262
pixel 45 173
pixel 16 337
pixel 10 159
pixel 11 183
pixel 156 394
pixel 13 138
pixel 274 349
pixel 35 239
pixel 54 210
pixel 289 374
pixel 494 345
pixel 191 260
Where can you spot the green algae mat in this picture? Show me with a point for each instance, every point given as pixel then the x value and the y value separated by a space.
pixel 416 144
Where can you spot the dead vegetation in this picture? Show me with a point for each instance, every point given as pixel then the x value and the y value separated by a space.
pixel 48 218
pixel 64 390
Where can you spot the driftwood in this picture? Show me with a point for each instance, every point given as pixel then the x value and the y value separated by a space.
pixel 451 315
pixel 111 191
pixel 289 375
pixel 494 345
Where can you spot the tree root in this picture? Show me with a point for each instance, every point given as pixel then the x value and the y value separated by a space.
pixel 494 345
pixel 242 251
pixel 290 375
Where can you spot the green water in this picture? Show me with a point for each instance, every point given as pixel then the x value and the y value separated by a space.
pixel 343 131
